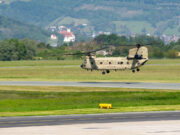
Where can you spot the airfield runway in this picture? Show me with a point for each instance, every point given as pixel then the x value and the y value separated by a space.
pixel 165 86
pixel 9 122
pixel 170 127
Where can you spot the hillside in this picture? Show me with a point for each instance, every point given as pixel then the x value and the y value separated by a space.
pixel 14 29
pixel 118 16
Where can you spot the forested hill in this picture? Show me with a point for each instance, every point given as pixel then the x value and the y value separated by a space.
pixel 10 28
pixel 117 16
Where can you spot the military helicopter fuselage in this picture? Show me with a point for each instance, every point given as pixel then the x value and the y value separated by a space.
pixel 136 58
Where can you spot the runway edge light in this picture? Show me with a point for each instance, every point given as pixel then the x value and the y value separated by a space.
pixel 105 106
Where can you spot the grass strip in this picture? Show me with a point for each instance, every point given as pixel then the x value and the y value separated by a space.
pixel 94 111
pixel 37 100
pixel 164 70
pixel 163 73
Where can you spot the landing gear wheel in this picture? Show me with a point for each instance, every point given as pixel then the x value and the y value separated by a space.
pixel 103 73
pixel 133 71
pixel 138 69
pixel 107 71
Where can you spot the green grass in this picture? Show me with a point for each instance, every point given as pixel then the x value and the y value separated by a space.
pixel 63 89
pixel 94 110
pixel 163 61
pixel 39 63
pixel 167 71
pixel 53 101
pixel 164 70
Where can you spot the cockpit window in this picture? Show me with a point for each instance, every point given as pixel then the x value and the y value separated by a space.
pixel 85 61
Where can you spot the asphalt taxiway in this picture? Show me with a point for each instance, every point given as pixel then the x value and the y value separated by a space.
pixel 9 122
pixel 143 85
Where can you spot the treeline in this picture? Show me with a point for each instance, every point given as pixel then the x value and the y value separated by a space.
pixel 15 49
pixel 157 48
pixel 25 49
pixel 121 44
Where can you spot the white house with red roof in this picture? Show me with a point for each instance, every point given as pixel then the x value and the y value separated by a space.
pixel 68 36
pixel 54 37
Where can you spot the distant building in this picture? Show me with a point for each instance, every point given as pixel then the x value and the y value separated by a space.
pixel 68 36
pixel 167 39
pixel 84 24
pixel 54 37
pixel 52 28
pixel 107 33
pixel 133 35
pixel 61 28
pixel 175 38
pixel 148 34
pixel 93 35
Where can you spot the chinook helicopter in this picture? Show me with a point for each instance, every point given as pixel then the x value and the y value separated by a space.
pixel 136 58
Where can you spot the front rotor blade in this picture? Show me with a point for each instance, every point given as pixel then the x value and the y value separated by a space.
pixel 75 54
pixel 87 53
pixel 98 50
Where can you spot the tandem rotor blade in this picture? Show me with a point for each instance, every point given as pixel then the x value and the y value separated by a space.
pixel 137 45
pixel 87 53
pixel 74 53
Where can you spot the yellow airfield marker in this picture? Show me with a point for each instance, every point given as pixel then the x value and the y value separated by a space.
pixel 105 106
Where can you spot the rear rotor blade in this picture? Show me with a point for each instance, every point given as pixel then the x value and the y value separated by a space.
pixel 137 45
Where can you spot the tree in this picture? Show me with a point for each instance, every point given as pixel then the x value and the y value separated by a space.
pixel 172 54
pixel 15 49
pixel 158 53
